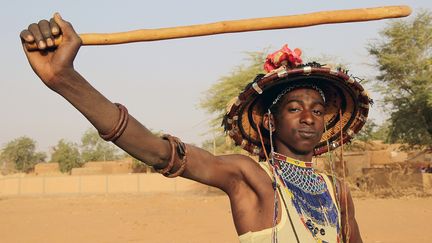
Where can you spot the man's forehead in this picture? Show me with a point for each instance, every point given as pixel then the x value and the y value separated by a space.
pixel 302 93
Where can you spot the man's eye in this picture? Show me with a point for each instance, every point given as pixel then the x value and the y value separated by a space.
pixel 318 112
pixel 293 109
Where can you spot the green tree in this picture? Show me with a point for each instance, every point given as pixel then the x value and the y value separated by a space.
pixel 21 152
pixel 219 95
pixel 221 144
pixel 405 80
pixel 372 131
pixel 382 132
pixel 366 133
pixel 67 155
pixel 94 148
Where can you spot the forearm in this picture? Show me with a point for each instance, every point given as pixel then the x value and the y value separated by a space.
pixel 137 140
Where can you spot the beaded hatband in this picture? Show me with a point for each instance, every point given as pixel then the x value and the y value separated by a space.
pixel 310 195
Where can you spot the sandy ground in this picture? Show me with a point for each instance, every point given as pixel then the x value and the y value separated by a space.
pixel 181 218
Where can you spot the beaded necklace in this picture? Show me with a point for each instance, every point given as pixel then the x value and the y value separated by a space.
pixel 309 193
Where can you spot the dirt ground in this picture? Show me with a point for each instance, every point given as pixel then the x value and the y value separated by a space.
pixel 181 218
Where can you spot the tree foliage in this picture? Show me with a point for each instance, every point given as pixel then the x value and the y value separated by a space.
pixel 94 148
pixel 67 155
pixel 217 97
pixel 220 94
pixel 21 152
pixel 220 144
pixel 372 131
pixel 405 80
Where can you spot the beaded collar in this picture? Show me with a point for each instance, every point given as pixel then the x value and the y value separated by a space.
pixel 310 195
pixel 296 162
pixel 299 174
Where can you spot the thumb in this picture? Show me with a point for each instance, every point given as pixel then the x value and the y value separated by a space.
pixel 59 20
pixel 70 42
pixel 66 27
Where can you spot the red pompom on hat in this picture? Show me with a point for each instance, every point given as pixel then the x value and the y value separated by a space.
pixel 283 57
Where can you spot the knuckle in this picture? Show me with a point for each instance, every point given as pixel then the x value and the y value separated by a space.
pixel 46 32
pixel 43 22
pixel 23 33
pixel 32 26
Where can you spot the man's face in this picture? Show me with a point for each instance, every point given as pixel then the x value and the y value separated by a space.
pixel 299 123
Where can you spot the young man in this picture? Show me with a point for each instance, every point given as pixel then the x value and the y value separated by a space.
pixel 284 119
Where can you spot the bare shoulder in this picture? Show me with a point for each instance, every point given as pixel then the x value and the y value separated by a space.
pixel 232 173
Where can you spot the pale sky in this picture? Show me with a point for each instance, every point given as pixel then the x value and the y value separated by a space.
pixel 162 83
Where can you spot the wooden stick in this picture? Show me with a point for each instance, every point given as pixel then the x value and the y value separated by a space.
pixel 233 26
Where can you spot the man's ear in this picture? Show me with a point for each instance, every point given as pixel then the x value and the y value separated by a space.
pixel 267 121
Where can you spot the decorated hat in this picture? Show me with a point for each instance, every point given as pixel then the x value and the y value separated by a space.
pixel 347 102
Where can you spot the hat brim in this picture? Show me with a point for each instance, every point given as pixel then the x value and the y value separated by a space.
pixel 347 107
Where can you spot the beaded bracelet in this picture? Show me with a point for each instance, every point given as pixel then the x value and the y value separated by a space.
pixel 120 126
pixel 178 155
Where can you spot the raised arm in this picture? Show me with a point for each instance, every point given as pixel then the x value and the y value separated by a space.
pixel 54 66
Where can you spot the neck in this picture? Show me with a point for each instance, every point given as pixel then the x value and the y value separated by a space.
pixel 303 157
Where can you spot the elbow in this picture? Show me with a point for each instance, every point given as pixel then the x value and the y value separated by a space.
pixel 160 156
pixel 155 154
pixel 155 160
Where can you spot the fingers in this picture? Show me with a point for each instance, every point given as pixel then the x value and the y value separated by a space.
pixel 37 35
pixel 41 35
pixel 26 36
pixel 55 29
pixel 45 29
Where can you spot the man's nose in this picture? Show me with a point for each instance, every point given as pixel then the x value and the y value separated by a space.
pixel 307 117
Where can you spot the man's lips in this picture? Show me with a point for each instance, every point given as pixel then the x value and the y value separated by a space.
pixel 307 133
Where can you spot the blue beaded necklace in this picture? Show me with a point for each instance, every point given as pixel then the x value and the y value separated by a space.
pixel 310 195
